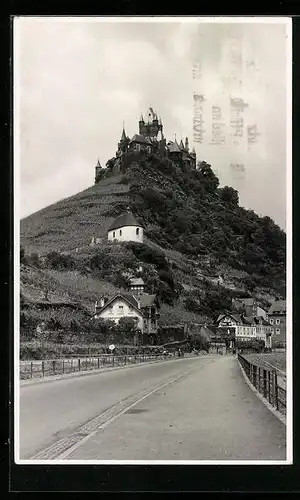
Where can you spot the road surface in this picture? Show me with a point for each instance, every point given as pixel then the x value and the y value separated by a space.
pixel 196 408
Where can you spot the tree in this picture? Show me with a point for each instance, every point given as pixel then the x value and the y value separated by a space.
pixel 126 329
pixel 229 195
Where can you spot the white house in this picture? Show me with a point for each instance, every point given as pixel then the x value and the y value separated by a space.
pixel 126 228
pixel 120 306
pixel 247 327
pixel 244 328
pixel 143 308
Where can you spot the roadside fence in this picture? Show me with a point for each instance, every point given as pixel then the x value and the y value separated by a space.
pixel 269 381
pixel 47 367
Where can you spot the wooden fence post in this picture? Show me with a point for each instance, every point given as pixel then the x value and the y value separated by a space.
pixel 31 369
pixel 98 362
pixel 71 366
pixel 53 365
pixel 265 383
pixel 276 389
pixel 43 368
pixel 269 386
pixel 79 364
pixel 63 370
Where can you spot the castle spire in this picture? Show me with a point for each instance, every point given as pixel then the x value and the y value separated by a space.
pixel 193 151
pixel 181 144
pixel 123 136
pixel 98 163
pixel 186 144
pixel 142 118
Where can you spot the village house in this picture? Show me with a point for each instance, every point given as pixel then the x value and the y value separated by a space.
pixel 246 328
pixel 264 330
pixel 277 320
pixel 250 306
pixel 243 328
pixel 142 308
pixel 137 285
pixel 126 228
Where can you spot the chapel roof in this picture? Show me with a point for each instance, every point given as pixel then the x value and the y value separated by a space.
pixel 127 219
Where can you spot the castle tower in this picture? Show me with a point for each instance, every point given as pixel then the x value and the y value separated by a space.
pixel 186 144
pixel 98 169
pixel 141 125
pixel 122 145
pixel 151 127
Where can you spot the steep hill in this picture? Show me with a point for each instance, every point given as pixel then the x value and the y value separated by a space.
pixel 195 234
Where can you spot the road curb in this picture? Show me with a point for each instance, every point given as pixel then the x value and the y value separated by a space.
pixel 52 378
pixel 275 412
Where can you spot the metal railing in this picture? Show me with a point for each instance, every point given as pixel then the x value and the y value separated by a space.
pixel 47 367
pixel 265 381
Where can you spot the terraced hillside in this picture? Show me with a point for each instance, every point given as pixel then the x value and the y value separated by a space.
pixel 72 222
pixel 195 234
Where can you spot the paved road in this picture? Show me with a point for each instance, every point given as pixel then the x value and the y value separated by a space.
pixel 187 409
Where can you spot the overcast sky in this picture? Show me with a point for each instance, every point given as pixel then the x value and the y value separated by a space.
pixel 78 81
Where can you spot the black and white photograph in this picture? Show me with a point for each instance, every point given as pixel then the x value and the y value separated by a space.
pixel 153 229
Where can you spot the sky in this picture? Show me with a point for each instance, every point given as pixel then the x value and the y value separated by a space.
pixel 77 82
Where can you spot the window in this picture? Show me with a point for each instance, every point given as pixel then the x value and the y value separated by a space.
pixel 137 231
pixel 272 330
pixel 120 232
pixel 114 234
pixel 277 321
pixel 121 308
pixel 277 331
pixel 271 321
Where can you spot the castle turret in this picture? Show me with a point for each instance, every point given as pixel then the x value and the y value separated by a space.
pixel 141 125
pixel 186 144
pixel 151 126
pixel 122 145
pixel 98 169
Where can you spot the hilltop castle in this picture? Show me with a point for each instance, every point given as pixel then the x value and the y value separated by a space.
pixel 150 139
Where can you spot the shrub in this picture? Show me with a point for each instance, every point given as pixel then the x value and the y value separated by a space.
pixel 55 260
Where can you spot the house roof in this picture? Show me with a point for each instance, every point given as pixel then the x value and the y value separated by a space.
pixel 136 281
pixel 140 139
pixel 236 317
pixel 126 297
pixel 127 219
pixel 278 307
pixel 147 300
